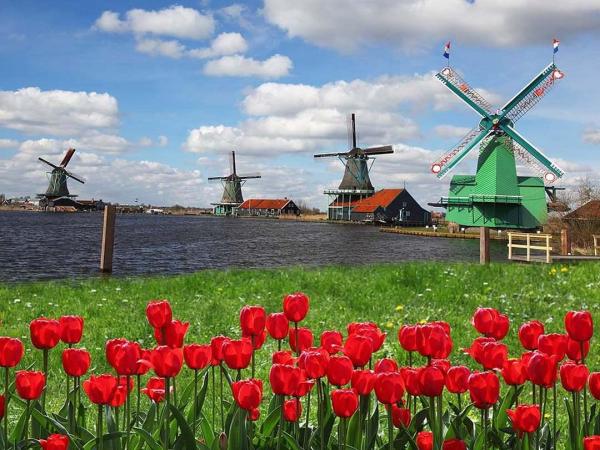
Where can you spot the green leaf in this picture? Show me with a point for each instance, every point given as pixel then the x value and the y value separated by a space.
pixel 270 422
pixel 501 418
pixel 207 431
pixel 186 439
pixel 237 436
pixel 373 429
pixel 152 443
pixel 291 441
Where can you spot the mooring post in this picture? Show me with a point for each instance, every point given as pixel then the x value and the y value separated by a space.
pixel 565 242
pixel 484 245
pixel 108 239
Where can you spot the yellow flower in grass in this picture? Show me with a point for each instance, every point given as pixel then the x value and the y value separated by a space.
pixel 422 321
pixel 564 269
pixel 389 325
pixel 552 271
pixel 399 307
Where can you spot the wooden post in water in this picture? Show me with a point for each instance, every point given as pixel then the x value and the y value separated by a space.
pixel 484 245
pixel 108 239
pixel 565 242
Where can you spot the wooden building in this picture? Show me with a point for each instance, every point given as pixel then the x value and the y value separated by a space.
pixel 267 207
pixel 395 206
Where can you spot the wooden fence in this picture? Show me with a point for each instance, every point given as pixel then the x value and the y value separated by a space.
pixel 530 242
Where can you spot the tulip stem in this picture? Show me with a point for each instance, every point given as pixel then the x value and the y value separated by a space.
pixel 253 364
pixel 45 358
pixel 279 431
pixel 221 397
pixel 321 401
pixel 137 406
pixel 516 395
pixel 585 408
pixel 99 427
pixel 485 428
pixel 214 391
pixel 344 432
pixel 554 414
pixel 440 421
pixel 27 414
pixel 390 428
pixel 6 402
pixel 278 344
pixel 368 421
pixel 296 338
pixel 167 403
pixel 127 412
pixel 306 425
pixel 195 401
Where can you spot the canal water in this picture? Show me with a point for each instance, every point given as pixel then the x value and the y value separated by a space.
pixel 36 246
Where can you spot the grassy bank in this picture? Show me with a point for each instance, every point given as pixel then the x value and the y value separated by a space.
pixel 387 294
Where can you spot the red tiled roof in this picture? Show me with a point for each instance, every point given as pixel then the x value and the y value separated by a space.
pixel 264 203
pixel 380 198
pixel 591 210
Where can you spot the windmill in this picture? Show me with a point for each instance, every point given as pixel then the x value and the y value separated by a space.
pixel 356 183
pixel 57 186
pixel 232 189
pixel 495 196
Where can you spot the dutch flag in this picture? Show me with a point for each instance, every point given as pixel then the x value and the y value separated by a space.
pixel 555 43
pixel 447 50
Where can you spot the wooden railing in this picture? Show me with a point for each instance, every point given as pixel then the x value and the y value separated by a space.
pixel 596 244
pixel 529 242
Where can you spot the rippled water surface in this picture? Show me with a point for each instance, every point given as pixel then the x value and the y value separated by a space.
pixel 47 245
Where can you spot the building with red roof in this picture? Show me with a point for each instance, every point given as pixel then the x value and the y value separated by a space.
pixel 267 207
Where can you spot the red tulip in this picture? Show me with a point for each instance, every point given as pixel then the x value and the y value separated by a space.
pixel 71 329
pixel 252 320
pixel 284 379
pixel 11 351
pixel 574 349
pixel 344 402
pixel 119 396
pixel 144 364
pixel 125 357
pixel 525 418
pixel 172 334
pixel 424 440
pixel 100 388
pixel 529 333
pixel 256 340
pixel 514 372
pixel 339 370
pixel 304 386
pixel 433 341
pixel 484 320
pixel 292 410
pixel 412 381
pixel 371 331
pixel 55 442
pixel 400 416
pixel 484 389
pixel 573 377
pixel 389 387
pixel 594 384
pixel 166 361
pixel 304 337
pixel 363 381
pixel 431 381
pixel 476 349
pixel 45 333
pixel 197 356
pixel 277 325
pixel 501 328
pixel 237 353
pixel 295 306
pixel 442 364
pixel 283 357
pixel 542 368
pixel 155 389
pixel 591 443
pixel 494 355
pixel 110 349
pixel 216 349
pixel 331 341
pixel 386 365
pixel 359 349
pixel 457 379
pixel 454 444
pixel 126 382
pixel 76 361
pixel 553 344
pixel 407 335
pixel 314 361
pixel 158 313
pixel 29 384
pixel 254 414
pixel 247 393
pixel 579 325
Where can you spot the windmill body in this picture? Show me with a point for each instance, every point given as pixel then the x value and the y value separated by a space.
pixel 57 186
pixel 356 183
pixel 232 196
pixel 496 196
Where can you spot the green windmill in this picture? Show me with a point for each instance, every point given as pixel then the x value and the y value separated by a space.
pixel 496 196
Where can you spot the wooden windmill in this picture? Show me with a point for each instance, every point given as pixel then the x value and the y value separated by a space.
pixel 57 186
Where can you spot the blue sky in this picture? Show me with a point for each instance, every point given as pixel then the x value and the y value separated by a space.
pixel 154 94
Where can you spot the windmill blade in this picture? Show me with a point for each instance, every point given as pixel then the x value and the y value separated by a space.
pixel 248 177
pixel 232 163
pixel 67 157
pixel 49 163
pixel 216 178
pixel 464 91
pixel 532 93
pixel 383 150
pixel 552 170
pixel 75 177
pixel 458 153
pixel 327 155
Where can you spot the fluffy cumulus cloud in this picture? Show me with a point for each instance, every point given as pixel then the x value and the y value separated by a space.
pixel 8 143
pixel 223 44
pixel 241 66
pixel 451 131
pixel 417 24
pixel 160 47
pixel 592 136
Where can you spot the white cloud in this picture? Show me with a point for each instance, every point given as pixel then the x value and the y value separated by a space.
pixel 163 141
pixel 56 112
pixel 240 66
pixel 158 47
pixel 451 131
pixel 223 44
pixel 592 136
pixel 417 24
pixel 174 21
pixel 8 143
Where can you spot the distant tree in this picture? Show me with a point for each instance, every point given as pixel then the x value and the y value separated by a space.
pixel 305 208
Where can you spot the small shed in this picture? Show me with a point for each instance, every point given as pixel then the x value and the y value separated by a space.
pixel 268 207
pixel 584 223
pixel 391 206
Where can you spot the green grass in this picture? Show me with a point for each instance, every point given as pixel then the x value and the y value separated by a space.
pixel 387 294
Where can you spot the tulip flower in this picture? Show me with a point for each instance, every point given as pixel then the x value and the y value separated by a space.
pixel 158 313
pixel 407 336
pixel 237 353
pixel 579 325
pixel 172 334
pixel 431 381
pixel 573 377
pixel 247 393
pixel 359 349
pixel 553 344
pixel 125 356
pixel 476 349
pixel 389 387
pixel 454 444
pixel 11 351
pixel 591 443
pixel 166 361
pixel 363 381
pixel 344 402
pixel 514 372
pixel 529 333
pixel 300 339
pixel 484 320
pixel 284 379
pixel 277 325
pixel 252 320
pixel 400 416
pixel 292 410
pixel 119 397
pixel 295 306
pixel 457 378
pixel 45 333
pixel 283 357
pixel 433 341
pixel 542 369
pixel 525 418
pixel 594 384
pixel 314 362
pixel 424 440
pixel 574 349
pixel 386 365
pixel 100 388
pixel 29 384
pixel 484 389
pixel 371 331
pixel 197 356
pixel 76 361
pixel 71 329
pixel 110 349
pixel 442 364
pixel 55 442
pixel 216 349
pixel 331 341
pixel 412 381
pixel 339 370
pixel 155 389
pixel 494 355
